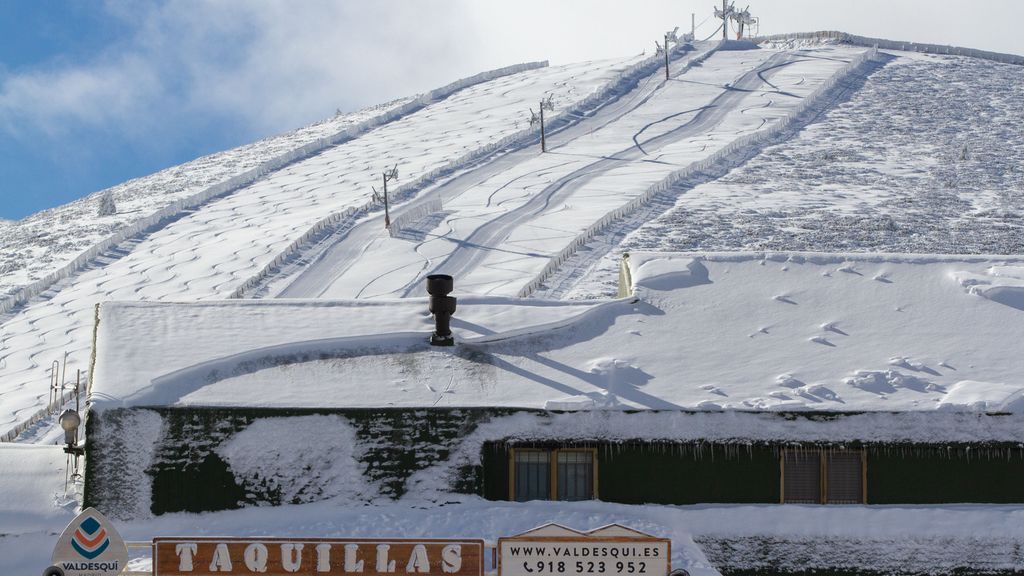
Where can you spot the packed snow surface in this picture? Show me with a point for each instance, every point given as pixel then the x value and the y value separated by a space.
pixel 33 495
pixel 746 331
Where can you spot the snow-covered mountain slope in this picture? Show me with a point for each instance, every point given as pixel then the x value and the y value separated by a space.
pixel 212 251
pixel 925 157
pixel 40 244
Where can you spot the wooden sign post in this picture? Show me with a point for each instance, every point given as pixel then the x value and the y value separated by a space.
pixel 339 556
pixel 613 550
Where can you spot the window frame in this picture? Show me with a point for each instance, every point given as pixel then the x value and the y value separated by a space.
pixel 823 454
pixel 552 469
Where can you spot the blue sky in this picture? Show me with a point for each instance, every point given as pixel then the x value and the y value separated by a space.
pixel 95 92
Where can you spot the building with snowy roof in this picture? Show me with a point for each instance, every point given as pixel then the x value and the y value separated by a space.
pixel 746 377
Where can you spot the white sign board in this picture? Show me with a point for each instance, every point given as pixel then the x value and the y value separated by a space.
pixel 90 546
pixel 609 551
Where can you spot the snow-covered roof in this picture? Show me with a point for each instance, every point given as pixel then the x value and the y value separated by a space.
pixel 741 331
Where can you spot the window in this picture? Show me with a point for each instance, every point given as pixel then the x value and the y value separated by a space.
pixel 532 475
pixel 559 474
pixel 575 478
pixel 823 476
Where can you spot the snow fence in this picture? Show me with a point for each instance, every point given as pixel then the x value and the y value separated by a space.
pixel 895 45
pixel 721 156
pixel 233 184
pixel 413 213
pixel 622 83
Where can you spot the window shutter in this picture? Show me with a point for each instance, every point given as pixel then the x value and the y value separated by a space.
pixel 845 478
pixel 802 477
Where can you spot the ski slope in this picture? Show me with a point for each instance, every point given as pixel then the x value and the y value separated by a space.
pixel 500 225
pixel 43 243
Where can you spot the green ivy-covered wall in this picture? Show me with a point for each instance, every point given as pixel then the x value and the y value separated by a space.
pixel 187 475
pixel 183 471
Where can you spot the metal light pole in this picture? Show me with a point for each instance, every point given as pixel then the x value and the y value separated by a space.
pixel 725 21
pixel 548 104
pixel 387 214
pixel 666 55
pixel 543 142
pixel 386 176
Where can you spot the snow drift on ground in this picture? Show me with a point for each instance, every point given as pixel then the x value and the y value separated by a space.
pixel 33 496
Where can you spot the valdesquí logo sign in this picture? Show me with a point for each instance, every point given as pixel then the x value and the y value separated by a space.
pixel 89 546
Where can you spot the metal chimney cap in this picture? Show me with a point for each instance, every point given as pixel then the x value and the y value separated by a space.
pixel 70 420
pixel 440 284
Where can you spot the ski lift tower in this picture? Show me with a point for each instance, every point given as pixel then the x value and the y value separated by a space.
pixel 743 21
pixel 725 13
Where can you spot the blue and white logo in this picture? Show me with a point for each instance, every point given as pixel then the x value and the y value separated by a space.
pixel 90 546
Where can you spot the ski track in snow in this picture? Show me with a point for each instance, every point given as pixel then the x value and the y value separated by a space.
pixel 327 260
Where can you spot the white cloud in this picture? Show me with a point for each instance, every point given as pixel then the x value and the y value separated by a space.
pixel 300 64
pixel 105 93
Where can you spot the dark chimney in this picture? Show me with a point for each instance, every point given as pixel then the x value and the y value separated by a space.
pixel 442 306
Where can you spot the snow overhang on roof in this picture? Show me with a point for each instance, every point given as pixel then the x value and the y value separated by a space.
pixel 742 331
